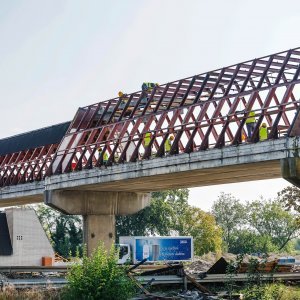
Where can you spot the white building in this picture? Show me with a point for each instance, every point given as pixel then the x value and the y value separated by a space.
pixel 23 241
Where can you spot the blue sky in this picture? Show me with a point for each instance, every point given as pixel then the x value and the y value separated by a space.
pixel 58 55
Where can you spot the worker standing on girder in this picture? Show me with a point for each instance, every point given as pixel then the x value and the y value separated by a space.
pixel 147 139
pixel 168 144
pixel 263 132
pixel 250 124
pixel 104 158
pixel 147 88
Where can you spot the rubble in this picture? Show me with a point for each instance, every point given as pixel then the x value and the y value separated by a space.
pixel 211 266
pixel 198 266
pixel 187 295
pixel 196 295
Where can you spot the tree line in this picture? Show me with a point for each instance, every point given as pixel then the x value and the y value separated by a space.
pixel 233 226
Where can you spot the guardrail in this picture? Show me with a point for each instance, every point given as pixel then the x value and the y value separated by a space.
pixel 158 280
pixel 33 269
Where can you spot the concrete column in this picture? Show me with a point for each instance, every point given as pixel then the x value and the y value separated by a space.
pixel 98 228
pixel 290 170
pixel 98 210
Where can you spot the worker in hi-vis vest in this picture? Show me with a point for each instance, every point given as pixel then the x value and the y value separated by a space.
pixel 104 159
pixel 250 123
pixel 263 132
pixel 168 144
pixel 147 88
pixel 124 98
pixel 147 139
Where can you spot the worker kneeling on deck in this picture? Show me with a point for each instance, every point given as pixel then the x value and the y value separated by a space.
pixel 124 98
pixel 147 88
pixel 263 132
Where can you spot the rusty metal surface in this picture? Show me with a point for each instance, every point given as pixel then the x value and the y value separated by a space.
pixel 200 112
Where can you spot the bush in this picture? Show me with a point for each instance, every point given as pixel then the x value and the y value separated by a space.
pixel 98 277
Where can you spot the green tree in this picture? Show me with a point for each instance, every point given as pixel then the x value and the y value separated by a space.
pixel 269 218
pixel 258 226
pixel 154 219
pixel 178 201
pixel 64 231
pixel 296 244
pixel 247 241
pixel 169 213
pixel 290 198
pixel 161 217
pixel 230 215
pixel 202 226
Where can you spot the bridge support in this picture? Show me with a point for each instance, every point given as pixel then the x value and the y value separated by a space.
pixel 98 210
pixel 290 170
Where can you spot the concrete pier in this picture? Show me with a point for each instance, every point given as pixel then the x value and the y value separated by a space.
pixel 290 169
pixel 98 210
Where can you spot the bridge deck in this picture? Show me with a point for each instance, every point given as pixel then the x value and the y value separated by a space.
pixel 214 166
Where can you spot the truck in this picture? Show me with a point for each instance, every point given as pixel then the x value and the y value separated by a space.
pixel 134 249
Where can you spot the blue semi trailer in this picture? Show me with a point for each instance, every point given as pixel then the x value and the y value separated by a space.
pixel 134 249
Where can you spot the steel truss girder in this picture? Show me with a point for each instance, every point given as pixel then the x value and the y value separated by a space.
pixel 204 111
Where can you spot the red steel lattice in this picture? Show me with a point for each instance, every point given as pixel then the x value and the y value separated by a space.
pixel 201 112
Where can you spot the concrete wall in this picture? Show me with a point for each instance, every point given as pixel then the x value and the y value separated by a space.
pixel 29 240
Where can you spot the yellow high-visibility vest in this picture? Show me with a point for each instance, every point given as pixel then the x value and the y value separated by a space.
pixel 263 133
pixel 105 157
pixel 147 139
pixel 168 145
pixel 149 84
pixel 251 117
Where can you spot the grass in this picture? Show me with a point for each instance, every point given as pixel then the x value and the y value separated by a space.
pixel 10 293
pixel 281 292
pixel 274 291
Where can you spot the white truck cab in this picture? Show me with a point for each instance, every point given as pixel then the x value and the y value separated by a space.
pixel 124 253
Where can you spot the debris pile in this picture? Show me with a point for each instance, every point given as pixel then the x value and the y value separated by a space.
pixel 198 266
pixel 267 267
pixel 196 275
pixel 188 295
